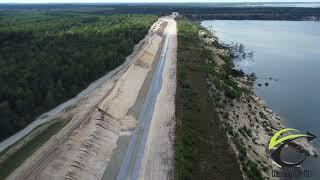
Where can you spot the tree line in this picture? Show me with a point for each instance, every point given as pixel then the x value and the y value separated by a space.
pixel 47 59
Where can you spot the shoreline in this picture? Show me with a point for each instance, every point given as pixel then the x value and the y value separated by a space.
pixel 249 123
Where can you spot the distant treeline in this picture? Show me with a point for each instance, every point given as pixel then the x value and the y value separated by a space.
pixel 44 59
pixel 254 13
pixel 192 11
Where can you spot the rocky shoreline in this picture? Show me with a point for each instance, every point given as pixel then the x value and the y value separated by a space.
pixel 249 123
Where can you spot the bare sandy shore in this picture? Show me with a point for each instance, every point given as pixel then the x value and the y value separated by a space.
pixel 157 162
pixel 83 148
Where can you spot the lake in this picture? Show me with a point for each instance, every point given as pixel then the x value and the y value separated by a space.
pixel 286 61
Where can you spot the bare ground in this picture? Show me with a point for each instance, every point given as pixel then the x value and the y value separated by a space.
pixel 157 162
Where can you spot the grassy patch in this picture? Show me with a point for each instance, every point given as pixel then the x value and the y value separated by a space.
pixel 17 158
pixel 245 131
pixel 249 167
pixel 201 147
pixel 229 129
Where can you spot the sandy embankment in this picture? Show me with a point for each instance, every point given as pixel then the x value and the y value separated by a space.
pixel 157 162
pixel 83 148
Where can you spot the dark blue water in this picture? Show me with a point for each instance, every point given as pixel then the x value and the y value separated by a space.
pixel 286 55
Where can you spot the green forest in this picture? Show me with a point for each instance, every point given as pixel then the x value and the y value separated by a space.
pixel 46 59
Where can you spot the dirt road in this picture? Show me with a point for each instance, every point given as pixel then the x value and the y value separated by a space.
pixel 84 147
pixel 157 161
pixel 150 154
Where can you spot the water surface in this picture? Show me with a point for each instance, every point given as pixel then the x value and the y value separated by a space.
pixel 286 56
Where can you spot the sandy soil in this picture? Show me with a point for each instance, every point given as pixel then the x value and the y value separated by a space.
pixel 83 148
pixel 157 162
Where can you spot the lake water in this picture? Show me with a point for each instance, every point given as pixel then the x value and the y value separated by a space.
pixel 286 55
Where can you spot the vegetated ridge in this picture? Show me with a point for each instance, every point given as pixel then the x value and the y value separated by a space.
pixel 202 150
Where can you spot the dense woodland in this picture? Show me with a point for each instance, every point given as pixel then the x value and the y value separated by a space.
pixel 47 58
pixel 194 11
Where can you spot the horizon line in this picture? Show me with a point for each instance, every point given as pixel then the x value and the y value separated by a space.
pixel 158 2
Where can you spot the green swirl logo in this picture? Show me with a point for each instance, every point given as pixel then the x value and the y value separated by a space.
pixel 276 144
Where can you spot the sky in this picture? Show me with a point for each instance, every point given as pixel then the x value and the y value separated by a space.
pixel 144 1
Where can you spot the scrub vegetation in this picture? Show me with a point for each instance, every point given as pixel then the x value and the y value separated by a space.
pixel 201 148
pixel 46 59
